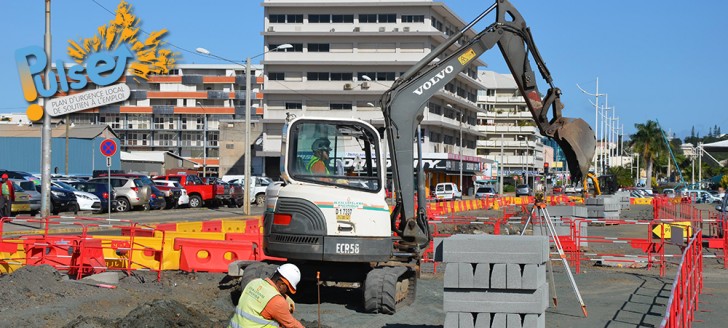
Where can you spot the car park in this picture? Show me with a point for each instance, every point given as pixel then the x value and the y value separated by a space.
pixel 101 190
pixel 523 190
pixel 20 175
pixel 701 196
pixel 485 192
pixel 62 200
pixel 130 192
pixel 183 199
pixel 86 201
pixel 447 191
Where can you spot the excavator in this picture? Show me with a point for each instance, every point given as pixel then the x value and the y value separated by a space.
pixel 605 184
pixel 337 226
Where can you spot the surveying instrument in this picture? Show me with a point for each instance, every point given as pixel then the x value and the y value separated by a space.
pixel 540 214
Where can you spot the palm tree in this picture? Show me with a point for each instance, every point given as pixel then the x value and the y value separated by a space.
pixel 648 142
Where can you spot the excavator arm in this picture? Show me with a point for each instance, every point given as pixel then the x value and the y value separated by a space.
pixel 403 107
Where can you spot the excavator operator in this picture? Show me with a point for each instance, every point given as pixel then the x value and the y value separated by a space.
pixel 318 164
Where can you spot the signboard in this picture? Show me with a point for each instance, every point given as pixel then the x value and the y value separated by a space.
pixel 108 147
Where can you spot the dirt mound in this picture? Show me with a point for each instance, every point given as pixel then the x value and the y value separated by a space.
pixel 159 313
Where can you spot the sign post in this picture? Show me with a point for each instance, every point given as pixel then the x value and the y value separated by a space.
pixel 108 148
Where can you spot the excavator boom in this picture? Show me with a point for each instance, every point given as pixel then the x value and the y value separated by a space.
pixel 406 98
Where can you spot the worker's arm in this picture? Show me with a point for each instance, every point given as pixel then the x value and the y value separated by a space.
pixel 279 311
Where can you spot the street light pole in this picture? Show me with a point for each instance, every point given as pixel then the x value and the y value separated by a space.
pixel 500 168
pixel 45 181
pixel 596 95
pixel 461 150
pixel 248 155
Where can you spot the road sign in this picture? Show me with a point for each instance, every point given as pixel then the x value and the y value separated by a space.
pixel 108 147
pixel 108 161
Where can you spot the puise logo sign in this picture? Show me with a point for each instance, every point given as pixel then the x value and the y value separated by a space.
pixel 101 59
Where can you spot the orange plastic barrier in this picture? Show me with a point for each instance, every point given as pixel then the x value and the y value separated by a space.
pixel 211 255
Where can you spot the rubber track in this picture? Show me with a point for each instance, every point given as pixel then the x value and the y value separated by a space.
pixel 373 290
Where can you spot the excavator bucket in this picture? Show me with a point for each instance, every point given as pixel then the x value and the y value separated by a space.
pixel 576 138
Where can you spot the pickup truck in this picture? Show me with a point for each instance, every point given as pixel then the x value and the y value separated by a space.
pixel 199 192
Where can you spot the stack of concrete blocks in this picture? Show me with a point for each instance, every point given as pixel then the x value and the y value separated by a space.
pixel 557 213
pixel 495 281
pixel 603 206
pixel 623 198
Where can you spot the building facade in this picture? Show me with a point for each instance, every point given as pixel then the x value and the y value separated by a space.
pixel 511 136
pixel 181 112
pixel 345 54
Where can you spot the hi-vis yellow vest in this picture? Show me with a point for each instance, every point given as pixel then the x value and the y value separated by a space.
pixel 253 300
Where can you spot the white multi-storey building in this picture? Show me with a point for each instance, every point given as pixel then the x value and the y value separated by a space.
pixel 345 54
pixel 511 136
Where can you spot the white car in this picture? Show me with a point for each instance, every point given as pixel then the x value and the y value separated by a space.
pixel 447 191
pixel 184 198
pixel 86 201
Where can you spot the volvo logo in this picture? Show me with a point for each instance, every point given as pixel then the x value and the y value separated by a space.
pixel 433 81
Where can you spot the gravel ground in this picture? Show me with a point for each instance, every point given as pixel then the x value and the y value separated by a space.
pixel 615 297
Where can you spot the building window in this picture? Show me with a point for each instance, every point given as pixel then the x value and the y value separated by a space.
pixel 342 76
pixel 340 106
pixel 294 19
pixel 321 18
pixel 318 47
pixel 276 76
pixel 387 18
pixel 296 47
pixel 413 18
pixel 367 18
pixel 294 105
pixel 385 76
pixel 317 76
pixel 342 18
pixel 277 18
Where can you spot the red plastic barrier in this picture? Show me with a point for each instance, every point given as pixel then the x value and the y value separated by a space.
pixel 685 293
pixel 211 255
pixel 74 254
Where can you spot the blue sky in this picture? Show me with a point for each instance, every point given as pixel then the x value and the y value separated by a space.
pixel 656 59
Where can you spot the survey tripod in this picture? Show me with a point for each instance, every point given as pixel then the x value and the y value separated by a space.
pixel 540 211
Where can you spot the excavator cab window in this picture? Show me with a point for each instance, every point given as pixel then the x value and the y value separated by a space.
pixel 335 153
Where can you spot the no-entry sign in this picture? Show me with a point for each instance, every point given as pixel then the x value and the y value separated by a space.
pixel 108 147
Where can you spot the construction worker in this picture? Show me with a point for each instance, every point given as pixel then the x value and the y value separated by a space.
pixel 265 302
pixel 6 196
pixel 318 164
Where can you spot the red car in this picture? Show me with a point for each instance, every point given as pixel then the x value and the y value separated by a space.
pixel 557 190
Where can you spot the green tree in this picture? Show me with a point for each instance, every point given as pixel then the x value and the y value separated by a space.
pixel 724 181
pixel 648 142
pixel 623 175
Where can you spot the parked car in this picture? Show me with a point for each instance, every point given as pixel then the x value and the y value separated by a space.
pixel 62 200
pixel 130 192
pixel 20 175
pixel 447 191
pixel 723 215
pixel 20 199
pixel 183 199
pixel 198 191
pixel 701 196
pixel 86 201
pixel 34 196
pixel 669 192
pixel 557 190
pixel 259 185
pixel 485 192
pixel 523 190
pixel 569 190
pixel 101 190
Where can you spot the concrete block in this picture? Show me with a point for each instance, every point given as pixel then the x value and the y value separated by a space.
pixel 612 207
pixel 513 320
pixel 534 320
pixel 466 320
pixel 611 215
pixel 452 275
pixel 495 249
pixel 481 278
pixel 560 210
pixel 498 278
pixel 594 201
pixel 437 248
pixel 452 319
pixel 534 276
pixel 482 320
pixel 512 301
pixel 499 320
pixel 427 267
pixel 513 276
pixel 465 275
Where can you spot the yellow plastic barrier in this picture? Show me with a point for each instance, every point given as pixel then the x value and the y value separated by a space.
pixel 145 255
pixel 11 261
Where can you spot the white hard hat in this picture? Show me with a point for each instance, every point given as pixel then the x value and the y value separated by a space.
pixel 291 274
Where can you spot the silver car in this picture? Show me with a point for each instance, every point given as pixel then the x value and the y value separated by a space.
pixel 35 198
pixel 523 190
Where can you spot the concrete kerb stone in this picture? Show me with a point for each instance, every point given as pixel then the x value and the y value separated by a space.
pixel 512 301
pixel 483 320
pixel 495 249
